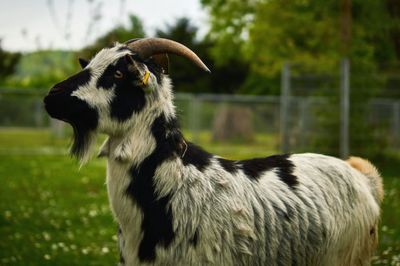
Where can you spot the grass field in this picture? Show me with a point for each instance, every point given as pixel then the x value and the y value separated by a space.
pixel 51 213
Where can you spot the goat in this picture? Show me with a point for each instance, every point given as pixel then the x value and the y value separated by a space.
pixel 177 204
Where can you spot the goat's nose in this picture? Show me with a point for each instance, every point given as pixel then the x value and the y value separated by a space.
pixel 55 90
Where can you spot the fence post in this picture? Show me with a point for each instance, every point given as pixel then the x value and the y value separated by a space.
pixel 284 107
pixel 344 107
pixel 303 121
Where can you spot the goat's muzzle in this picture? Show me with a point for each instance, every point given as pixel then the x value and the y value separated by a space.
pixel 56 102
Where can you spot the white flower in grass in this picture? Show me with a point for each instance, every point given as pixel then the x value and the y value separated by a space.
pixel 46 236
pixel 105 250
pixel 93 213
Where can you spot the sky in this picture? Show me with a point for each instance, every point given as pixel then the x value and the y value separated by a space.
pixel 27 25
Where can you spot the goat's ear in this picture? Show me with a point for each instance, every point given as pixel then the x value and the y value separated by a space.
pixel 162 61
pixel 129 59
pixel 132 65
pixel 83 62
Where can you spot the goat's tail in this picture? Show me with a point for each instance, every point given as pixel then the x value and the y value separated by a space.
pixel 369 170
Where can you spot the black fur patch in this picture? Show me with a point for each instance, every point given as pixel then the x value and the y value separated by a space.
pixel 253 168
pixel 196 156
pixel 82 124
pixel 151 65
pixel 107 79
pixel 83 62
pixel 61 105
pixel 195 239
pixel 154 68
pixel 72 83
pixel 129 97
pixel 157 217
pixel 121 246
pixel 228 165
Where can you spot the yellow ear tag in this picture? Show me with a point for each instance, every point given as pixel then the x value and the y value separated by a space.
pixel 145 79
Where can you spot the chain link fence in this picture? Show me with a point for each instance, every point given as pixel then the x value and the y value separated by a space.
pixel 229 118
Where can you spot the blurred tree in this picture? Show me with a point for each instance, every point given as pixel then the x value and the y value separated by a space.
pixel 268 33
pixel 230 21
pixel 119 34
pixel 8 63
pixel 186 77
pixel 54 67
pixel 393 7
pixel 226 77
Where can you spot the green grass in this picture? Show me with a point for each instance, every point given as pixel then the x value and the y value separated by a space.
pixel 17 139
pixel 51 213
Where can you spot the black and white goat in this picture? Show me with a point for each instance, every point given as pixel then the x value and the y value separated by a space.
pixel 177 204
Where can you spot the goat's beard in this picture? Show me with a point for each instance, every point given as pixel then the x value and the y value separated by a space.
pixel 83 142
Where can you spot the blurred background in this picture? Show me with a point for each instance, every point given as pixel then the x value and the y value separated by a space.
pixel 287 76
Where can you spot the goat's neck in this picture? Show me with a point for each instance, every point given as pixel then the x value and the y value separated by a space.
pixel 156 131
pixel 152 129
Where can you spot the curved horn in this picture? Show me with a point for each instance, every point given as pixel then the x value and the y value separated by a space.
pixel 148 47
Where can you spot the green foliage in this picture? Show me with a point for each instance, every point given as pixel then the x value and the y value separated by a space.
pixel 186 76
pixel 225 78
pixel 42 69
pixel 8 63
pixel 268 33
pixel 229 21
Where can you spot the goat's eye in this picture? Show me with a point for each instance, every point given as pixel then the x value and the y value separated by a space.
pixel 118 74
